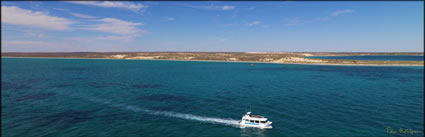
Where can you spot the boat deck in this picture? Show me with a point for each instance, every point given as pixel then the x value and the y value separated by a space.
pixel 257 116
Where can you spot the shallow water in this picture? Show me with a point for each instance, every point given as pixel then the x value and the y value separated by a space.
pixel 389 58
pixel 101 97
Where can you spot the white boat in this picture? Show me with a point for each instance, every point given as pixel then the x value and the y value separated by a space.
pixel 257 121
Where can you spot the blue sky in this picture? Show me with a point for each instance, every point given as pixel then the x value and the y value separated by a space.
pixel 213 26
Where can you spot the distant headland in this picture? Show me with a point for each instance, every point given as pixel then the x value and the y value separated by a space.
pixel 254 57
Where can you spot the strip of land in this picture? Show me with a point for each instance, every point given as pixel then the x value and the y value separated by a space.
pixel 255 57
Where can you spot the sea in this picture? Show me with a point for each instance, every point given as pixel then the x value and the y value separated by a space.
pixel 108 97
pixel 388 58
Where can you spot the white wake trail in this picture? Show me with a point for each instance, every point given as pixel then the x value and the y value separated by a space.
pixel 231 122
pixel 198 118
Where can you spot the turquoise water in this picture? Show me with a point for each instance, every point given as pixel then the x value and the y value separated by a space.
pixel 392 58
pixel 96 97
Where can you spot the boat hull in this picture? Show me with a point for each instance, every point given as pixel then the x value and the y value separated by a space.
pixel 254 125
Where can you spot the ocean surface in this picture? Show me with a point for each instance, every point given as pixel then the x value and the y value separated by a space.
pixel 392 58
pixel 105 97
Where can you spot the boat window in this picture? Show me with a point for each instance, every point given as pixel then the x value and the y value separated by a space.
pixel 256 121
pixel 264 121
pixel 252 121
pixel 246 120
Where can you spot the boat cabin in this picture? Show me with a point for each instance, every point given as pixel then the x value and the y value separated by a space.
pixel 254 119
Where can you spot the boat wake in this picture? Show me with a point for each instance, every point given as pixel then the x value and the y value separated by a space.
pixel 199 118
pixel 133 108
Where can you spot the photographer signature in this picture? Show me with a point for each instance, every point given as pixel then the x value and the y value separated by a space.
pixel 402 131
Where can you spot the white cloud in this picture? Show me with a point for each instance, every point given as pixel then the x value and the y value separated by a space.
pixel 339 12
pixel 336 13
pixel 119 38
pixel 170 19
pixel 8 43
pixel 38 35
pixel 122 30
pixel 18 16
pixel 214 7
pixel 116 4
pixel 61 9
pixel 79 15
pixel 39 46
pixel 116 26
pixel 34 33
pixel 254 23
pixel 292 22
pixel 227 7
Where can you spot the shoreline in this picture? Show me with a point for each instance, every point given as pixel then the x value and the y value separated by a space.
pixel 228 61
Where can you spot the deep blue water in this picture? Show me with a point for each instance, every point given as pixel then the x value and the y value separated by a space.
pixel 100 97
pixel 392 58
